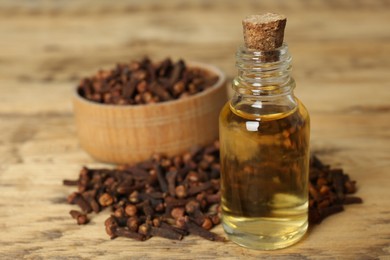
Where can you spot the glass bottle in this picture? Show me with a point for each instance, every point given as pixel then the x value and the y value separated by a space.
pixel 264 137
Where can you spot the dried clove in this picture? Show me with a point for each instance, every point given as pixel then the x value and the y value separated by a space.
pixel 161 179
pixel 131 210
pixel 149 231
pixel 81 218
pixel 171 180
pixel 181 191
pixel 77 198
pixel 193 228
pixel 111 226
pixel 177 212
pixel 123 232
pixel 89 196
pixel 132 224
pixel 70 182
pixel 105 200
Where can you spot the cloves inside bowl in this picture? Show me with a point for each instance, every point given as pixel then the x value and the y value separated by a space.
pixel 132 133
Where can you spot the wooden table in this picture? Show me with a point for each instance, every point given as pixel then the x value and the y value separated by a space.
pixel 341 64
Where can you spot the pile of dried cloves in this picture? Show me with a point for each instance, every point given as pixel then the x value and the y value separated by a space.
pixel 166 197
pixel 145 82
pixel 177 196
pixel 328 190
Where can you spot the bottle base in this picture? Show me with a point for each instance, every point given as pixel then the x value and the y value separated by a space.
pixel 267 241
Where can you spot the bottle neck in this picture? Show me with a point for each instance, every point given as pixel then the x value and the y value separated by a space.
pixel 263 73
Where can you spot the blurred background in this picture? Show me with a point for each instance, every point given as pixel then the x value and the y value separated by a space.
pixel 340 49
pixel 46 46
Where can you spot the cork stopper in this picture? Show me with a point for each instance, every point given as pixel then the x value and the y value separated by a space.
pixel 264 32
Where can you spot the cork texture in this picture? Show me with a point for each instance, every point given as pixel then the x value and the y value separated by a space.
pixel 264 32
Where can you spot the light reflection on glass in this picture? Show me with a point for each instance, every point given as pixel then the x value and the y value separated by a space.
pixel 257 104
pixel 252 126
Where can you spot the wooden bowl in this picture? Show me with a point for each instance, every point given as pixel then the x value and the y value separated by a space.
pixel 132 133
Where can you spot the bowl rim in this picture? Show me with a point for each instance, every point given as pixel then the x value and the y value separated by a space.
pixel 220 83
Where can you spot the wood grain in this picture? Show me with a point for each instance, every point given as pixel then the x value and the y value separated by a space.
pixel 341 65
pixel 130 134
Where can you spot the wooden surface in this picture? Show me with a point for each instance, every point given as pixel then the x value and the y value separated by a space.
pixel 341 64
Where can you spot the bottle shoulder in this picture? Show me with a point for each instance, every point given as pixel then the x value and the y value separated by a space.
pixel 303 110
pixel 263 112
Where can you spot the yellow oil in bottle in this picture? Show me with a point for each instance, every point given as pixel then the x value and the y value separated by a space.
pixel 264 166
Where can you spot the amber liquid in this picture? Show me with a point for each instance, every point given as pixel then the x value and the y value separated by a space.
pixel 264 171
